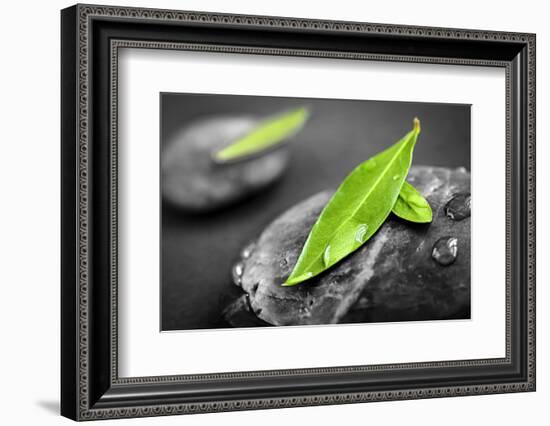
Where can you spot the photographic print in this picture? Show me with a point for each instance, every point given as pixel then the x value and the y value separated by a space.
pixel 318 197
pixel 297 211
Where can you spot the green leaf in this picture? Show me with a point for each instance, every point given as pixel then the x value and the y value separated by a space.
pixel 267 134
pixel 356 210
pixel 412 206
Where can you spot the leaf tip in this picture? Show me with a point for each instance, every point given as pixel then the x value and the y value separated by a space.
pixel 306 111
pixel 416 124
pixel 296 280
pixel 303 114
pixel 430 217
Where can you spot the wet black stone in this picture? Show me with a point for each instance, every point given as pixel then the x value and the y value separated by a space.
pixel 239 314
pixel 459 207
pixel 393 277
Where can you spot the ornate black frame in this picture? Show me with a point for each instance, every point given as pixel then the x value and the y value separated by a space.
pixel 91 37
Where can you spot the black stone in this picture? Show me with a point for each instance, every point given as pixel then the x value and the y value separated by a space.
pixel 459 206
pixel 393 277
pixel 192 181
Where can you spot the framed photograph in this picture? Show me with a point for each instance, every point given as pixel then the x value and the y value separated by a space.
pixel 263 212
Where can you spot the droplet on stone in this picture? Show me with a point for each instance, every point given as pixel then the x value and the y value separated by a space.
pixel 247 251
pixel 445 250
pixel 237 273
pixel 248 303
pixel 459 206
pixel 362 303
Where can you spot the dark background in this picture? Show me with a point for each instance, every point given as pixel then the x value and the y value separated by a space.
pixel 198 251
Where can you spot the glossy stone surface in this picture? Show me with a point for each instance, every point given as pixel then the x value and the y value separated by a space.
pixel 393 277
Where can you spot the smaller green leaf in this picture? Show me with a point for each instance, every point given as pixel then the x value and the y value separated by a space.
pixel 412 206
pixel 267 134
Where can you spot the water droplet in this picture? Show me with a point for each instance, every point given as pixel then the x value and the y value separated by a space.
pixel 248 302
pixel 237 273
pixel 445 250
pixel 459 206
pixel 326 256
pixel 371 164
pixel 247 251
pixel 395 177
pixel 361 232
pixel 462 170
pixel 362 303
